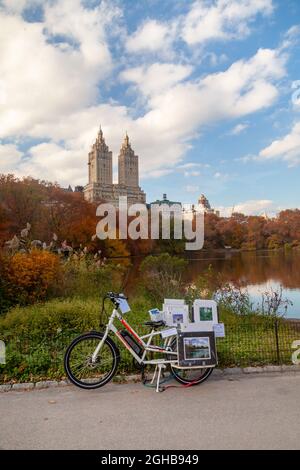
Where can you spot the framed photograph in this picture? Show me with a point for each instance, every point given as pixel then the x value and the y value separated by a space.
pixel 206 314
pixel 196 348
pixel 177 318
pixel 176 314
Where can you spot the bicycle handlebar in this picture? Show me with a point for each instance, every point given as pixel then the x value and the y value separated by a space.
pixel 115 296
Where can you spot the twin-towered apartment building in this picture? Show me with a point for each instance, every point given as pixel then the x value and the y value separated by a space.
pixel 100 186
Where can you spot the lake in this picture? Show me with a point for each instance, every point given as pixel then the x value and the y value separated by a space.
pixel 259 271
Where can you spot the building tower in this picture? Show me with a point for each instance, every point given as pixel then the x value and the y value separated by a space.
pixel 100 187
pixel 204 203
pixel 128 165
pixel 100 162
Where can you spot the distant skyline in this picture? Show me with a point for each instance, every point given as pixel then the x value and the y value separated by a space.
pixel 208 91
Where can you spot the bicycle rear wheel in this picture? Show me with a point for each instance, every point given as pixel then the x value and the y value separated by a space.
pixel 191 376
pixel 194 376
pixel 78 361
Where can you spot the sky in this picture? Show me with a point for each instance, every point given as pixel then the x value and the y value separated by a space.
pixel 208 91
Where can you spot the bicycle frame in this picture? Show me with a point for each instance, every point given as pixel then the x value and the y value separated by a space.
pixel 144 341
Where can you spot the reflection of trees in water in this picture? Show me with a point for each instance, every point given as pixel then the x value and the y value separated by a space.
pixel 251 268
pixel 200 351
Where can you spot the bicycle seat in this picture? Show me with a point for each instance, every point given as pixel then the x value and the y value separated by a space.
pixel 154 324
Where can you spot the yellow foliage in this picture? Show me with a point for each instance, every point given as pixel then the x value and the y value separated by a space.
pixel 116 250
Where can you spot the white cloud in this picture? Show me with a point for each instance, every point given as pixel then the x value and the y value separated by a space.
pixel 53 91
pixel 251 207
pixel 192 165
pixel 158 173
pixel 151 36
pixel 42 80
pixel 238 129
pixel 17 6
pixel 222 176
pixel 188 174
pixel 291 37
pixel 286 149
pixel 246 158
pixel 160 135
pixel 192 188
pixel 245 87
pixel 296 94
pixel 10 157
pixel 53 162
pixel 157 77
pixel 215 59
pixel 222 19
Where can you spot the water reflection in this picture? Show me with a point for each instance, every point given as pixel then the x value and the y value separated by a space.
pixel 259 271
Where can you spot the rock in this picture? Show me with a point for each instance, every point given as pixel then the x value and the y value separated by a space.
pixel 233 371
pixel 253 370
pixel 46 384
pixel 5 387
pixel 272 368
pixel 23 386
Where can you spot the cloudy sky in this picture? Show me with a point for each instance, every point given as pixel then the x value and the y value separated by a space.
pixel 208 90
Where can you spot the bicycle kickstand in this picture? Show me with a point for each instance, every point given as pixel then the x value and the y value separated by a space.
pixel 160 367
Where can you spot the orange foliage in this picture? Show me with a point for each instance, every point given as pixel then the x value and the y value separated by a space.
pixel 30 276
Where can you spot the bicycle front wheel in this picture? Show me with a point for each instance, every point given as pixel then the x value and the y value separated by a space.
pixel 80 368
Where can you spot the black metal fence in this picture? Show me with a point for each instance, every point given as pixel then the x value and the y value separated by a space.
pixel 258 342
pixel 248 342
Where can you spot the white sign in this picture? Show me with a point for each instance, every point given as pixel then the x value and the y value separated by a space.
pixel 155 314
pixel 123 305
pixel 168 332
pixel 219 330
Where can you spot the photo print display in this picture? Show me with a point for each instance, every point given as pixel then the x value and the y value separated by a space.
pixel 196 349
pixel 206 314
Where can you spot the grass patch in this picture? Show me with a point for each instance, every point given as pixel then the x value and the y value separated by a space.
pixel 36 337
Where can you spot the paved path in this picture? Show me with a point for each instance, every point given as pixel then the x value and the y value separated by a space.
pixel 242 412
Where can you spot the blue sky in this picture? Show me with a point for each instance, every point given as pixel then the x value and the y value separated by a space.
pixel 206 89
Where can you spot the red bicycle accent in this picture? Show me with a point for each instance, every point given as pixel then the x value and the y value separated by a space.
pixel 128 328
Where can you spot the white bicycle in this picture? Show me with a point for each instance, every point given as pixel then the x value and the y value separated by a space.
pixel 92 359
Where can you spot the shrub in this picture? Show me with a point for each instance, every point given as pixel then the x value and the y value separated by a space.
pixel 162 276
pixel 38 335
pixel 31 276
pixel 50 317
pixel 235 299
pixel 85 278
pixel 5 301
pixel 204 285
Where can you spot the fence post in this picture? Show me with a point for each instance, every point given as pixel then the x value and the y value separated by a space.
pixel 276 330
